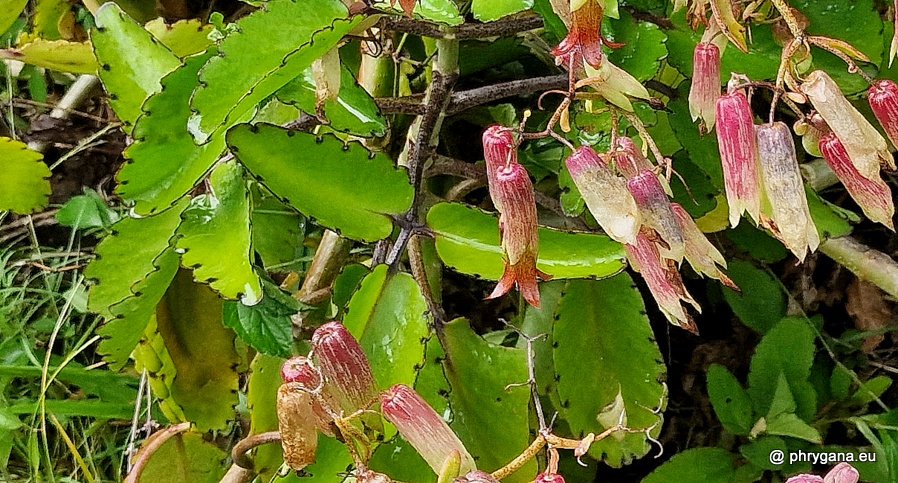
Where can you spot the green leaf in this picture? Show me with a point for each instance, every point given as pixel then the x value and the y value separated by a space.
pixel 789 424
pixel 644 46
pixel 783 402
pixel 202 352
pixel 269 47
pixel 702 150
pixel 758 451
pixel 467 240
pixel 48 15
pixel 9 12
pixel 757 243
pixel 697 465
pixel 347 282
pixel 539 321
pixel 730 401
pixel 261 401
pixel 761 303
pixel 77 407
pixel 478 373
pixel 106 385
pixel 788 348
pixel 489 10
pixel 164 163
pixel 331 461
pixel 132 62
pixel 277 234
pixel 184 37
pixel 387 316
pixel 189 459
pixel 343 186
pixel 829 223
pixel 607 364
pixel 123 331
pixel 214 237
pixel 9 421
pixel 25 184
pixel 871 389
pixel 266 326
pixel 352 112
pixel 128 256
pixel 442 11
pixel 61 55
pixel 86 211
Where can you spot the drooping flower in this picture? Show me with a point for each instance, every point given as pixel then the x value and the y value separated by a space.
pixel 872 195
pixel 662 278
pixel 784 189
pixel 423 428
pixel 299 370
pixel 616 85
pixel 629 160
pixel 705 88
pixel 700 253
pixel 297 426
pixel 656 212
pixel 518 231
pixel 805 479
pixel 346 369
pixel 883 98
pixel 498 150
pixel 584 39
pixel 842 473
pixel 739 155
pixel 865 146
pixel 605 194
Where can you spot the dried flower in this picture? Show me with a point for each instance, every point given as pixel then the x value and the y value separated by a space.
pixel 784 189
pixel 654 207
pixel 883 98
pixel 296 423
pixel 584 39
pixel 346 369
pixel 865 146
pixel 872 195
pixel 663 279
pixel 700 253
pixel 423 428
pixel 705 88
pixel 299 370
pixel 605 194
pixel 738 154
pixel 616 85
pixel 842 473
pixel 498 150
pixel 518 230
pixel 369 476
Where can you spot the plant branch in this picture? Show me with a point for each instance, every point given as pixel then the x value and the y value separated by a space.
pixel 868 264
pixel 245 445
pixel 153 443
pixel 505 26
pixel 77 93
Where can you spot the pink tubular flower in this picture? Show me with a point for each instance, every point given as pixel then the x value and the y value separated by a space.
pixel 784 188
pixel 663 279
pixel 654 207
pixel 518 230
pixel 805 479
pixel 872 195
pixel 345 367
pixel 705 88
pixel 883 98
pixel 700 253
pixel 297 426
pixel 584 39
pixel 476 476
pixel 498 150
pixel 628 159
pixel 842 473
pixel 549 478
pixel 299 370
pixel 423 428
pixel 738 154
pixel 605 194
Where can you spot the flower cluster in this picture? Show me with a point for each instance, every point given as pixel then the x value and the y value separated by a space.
pixel 631 203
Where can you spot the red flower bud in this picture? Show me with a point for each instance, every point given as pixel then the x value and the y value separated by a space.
pixel 784 189
pixel 518 230
pixel 605 194
pixel 842 473
pixel 584 39
pixel 872 195
pixel 498 151
pixel 548 478
pixel 654 206
pixel 883 98
pixel 423 428
pixel 663 279
pixel 346 369
pixel 738 154
pixel 297 423
pixel 705 88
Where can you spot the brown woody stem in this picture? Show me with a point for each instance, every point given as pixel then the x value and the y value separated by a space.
pixel 240 452
pixel 153 443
